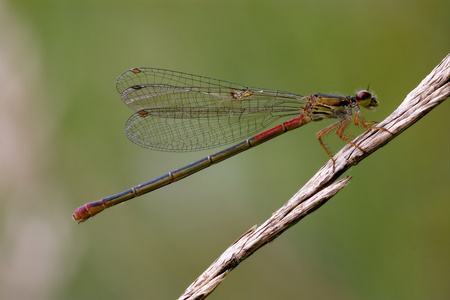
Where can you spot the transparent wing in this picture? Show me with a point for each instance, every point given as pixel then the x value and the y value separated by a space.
pixel 184 112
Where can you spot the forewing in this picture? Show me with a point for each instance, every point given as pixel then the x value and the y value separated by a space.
pixel 184 112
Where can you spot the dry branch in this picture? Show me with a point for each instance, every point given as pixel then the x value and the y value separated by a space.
pixel 433 90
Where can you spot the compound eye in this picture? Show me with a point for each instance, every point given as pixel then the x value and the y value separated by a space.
pixel 363 95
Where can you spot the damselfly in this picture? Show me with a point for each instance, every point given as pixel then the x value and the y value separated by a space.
pixel 182 112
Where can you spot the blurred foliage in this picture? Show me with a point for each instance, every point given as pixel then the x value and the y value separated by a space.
pixel 62 143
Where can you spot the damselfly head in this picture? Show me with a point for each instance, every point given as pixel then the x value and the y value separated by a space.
pixel 366 99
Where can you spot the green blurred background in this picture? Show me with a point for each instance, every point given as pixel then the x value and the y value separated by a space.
pixel 62 143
